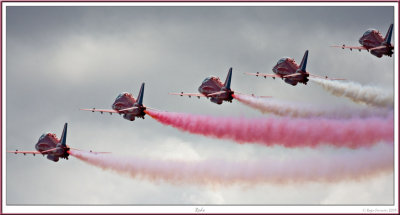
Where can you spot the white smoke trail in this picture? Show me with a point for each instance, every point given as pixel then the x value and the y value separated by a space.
pixel 356 92
pixel 281 108
pixel 348 164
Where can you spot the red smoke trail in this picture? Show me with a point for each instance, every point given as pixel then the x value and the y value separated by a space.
pixel 346 165
pixel 353 133
pixel 281 108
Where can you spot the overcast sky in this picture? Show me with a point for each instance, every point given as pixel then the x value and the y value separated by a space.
pixel 60 59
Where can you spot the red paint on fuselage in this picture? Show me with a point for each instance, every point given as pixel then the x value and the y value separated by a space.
pixel 126 100
pixel 213 85
pixel 210 85
pixel 373 38
pixel 46 141
pixel 287 66
pixel 50 141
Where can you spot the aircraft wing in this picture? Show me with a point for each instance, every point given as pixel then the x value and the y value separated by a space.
pixel 24 152
pixel 199 95
pixel 99 152
pixel 326 77
pixel 316 76
pixel 275 76
pixel 188 94
pixel 153 109
pixel 101 110
pixel 91 151
pixel 32 152
pixel 263 75
pixel 351 47
pixel 252 95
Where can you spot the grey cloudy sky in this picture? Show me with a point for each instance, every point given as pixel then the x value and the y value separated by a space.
pixel 60 59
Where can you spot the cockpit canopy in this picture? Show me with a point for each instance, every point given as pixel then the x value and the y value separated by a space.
pixel 47 134
pixel 284 59
pixel 211 78
pixel 122 94
pixel 369 31
pixel 43 136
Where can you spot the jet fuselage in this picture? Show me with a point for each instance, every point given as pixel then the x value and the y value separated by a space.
pixel 213 85
pixel 50 141
pixel 371 39
pixel 287 66
pixel 126 100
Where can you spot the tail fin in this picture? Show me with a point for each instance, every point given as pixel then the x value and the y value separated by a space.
pixel 228 80
pixel 304 62
pixel 63 140
pixel 140 96
pixel 388 36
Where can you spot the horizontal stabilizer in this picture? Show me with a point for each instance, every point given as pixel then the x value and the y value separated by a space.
pixel 128 109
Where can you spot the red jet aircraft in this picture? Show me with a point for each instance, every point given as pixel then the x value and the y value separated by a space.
pixel 213 88
pixel 290 72
pixel 127 105
pixel 373 42
pixel 51 146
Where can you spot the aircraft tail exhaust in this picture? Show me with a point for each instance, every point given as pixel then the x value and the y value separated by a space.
pixel 304 62
pixel 227 83
pixel 388 36
pixel 140 95
pixel 63 139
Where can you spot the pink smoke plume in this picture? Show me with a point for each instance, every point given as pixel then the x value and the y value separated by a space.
pixel 352 133
pixel 280 108
pixel 348 164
